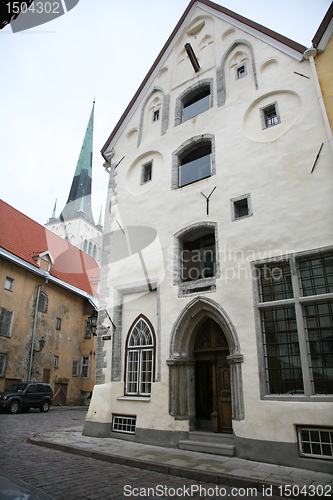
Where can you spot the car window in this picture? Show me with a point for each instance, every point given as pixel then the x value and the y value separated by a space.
pixel 40 388
pixel 31 389
pixel 16 388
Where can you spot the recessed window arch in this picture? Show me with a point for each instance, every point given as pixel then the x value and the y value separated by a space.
pixel 85 244
pixel 194 160
pixel 194 100
pixel 140 358
pixel 196 265
pixel 94 251
pixel 89 248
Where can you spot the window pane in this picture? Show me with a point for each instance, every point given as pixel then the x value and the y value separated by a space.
pixel 275 282
pixel 195 170
pixel 197 107
pixel 132 372
pixel 316 275
pixel 198 257
pixel 146 371
pixel 282 356
pixel 5 321
pixel 319 327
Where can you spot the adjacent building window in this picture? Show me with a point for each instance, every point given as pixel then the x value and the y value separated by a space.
pixel 270 115
pixel 124 423
pixel 56 361
pixel 3 359
pixel 295 304
pixel 87 331
pixel 58 323
pixel 6 318
pixel 241 207
pixel 315 442
pixel 85 366
pixel 140 354
pixel 194 101
pixel 9 284
pixel 75 368
pixel 241 71
pixel 43 302
pixel 146 172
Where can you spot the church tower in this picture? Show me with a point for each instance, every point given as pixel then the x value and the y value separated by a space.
pixel 76 222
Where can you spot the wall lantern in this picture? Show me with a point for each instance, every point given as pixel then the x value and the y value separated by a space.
pixel 93 322
pixel 41 345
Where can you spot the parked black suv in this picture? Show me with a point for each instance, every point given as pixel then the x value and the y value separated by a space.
pixel 26 395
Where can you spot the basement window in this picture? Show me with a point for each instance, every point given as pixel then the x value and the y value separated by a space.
pixel 124 424
pixel 270 116
pixel 316 442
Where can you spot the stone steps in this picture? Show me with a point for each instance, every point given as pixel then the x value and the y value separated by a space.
pixel 209 442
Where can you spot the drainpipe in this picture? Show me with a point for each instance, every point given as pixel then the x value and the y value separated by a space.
pixel 309 55
pixel 33 330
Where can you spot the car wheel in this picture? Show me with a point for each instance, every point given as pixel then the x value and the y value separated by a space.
pixel 45 406
pixel 14 407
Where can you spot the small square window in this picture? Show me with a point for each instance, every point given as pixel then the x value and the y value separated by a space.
pixel 241 71
pixel 156 115
pixel 270 116
pixel 58 324
pixel 9 284
pixel 146 173
pixel 56 361
pixel 241 207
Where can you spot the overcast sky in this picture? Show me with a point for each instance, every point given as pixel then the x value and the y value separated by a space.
pixel 101 49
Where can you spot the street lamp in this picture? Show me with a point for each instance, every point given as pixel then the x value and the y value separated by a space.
pixel 92 320
pixel 41 345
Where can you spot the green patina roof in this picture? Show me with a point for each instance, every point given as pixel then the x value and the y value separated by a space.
pixel 85 159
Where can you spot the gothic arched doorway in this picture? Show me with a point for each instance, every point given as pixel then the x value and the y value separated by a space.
pixel 212 379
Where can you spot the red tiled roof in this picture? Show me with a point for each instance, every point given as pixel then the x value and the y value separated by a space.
pixel 26 239
pixel 276 36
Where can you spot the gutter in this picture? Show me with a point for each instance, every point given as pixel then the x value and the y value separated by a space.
pixel 309 54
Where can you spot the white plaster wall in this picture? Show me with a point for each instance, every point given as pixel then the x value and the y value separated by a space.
pixel 291 212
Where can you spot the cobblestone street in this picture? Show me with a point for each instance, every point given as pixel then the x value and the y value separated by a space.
pixel 67 477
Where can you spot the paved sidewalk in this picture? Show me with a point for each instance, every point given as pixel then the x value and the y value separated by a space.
pixel 215 469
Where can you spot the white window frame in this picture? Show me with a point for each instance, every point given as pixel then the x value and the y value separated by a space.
pixel 319 444
pixel 263 115
pixel 133 384
pixel 9 284
pixel 75 368
pixel 85 366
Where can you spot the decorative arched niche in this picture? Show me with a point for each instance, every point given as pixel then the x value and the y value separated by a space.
pixel 181 360
pixel 240 53
pixel 154 114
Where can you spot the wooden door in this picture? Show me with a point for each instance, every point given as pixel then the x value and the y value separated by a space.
pixel 212 379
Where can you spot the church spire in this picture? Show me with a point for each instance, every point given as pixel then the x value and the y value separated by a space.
pixel 79 199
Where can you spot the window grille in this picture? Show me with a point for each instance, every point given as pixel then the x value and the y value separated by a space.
pixel 124 423
pixel 316 275
pixel 275 282
pixel 315 442
pixel 270 116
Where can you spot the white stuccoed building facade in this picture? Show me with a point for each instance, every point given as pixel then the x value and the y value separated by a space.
pixel 216 275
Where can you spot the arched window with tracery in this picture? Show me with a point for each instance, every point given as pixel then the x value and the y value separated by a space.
pixel 140 357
